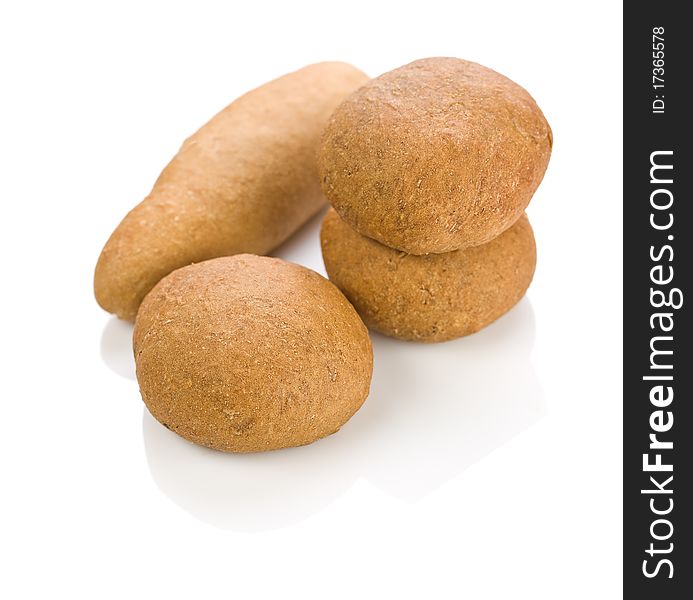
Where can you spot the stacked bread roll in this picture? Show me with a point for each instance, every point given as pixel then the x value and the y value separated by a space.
pixel 429 169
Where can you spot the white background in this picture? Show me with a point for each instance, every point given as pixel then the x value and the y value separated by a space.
pixel 489 467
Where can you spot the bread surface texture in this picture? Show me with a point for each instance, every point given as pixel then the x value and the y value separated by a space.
pixel 244 182
pixel 430 298
pixel 249 353
pixel 435 156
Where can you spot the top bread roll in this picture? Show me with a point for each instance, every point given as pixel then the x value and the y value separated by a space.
pixel 243 183
pixel 438 155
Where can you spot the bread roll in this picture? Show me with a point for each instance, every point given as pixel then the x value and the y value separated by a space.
pixel 243 183
pixel 438 155
pixel 249 353
pixel 429 298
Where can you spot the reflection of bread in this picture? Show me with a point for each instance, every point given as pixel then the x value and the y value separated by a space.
pixel 437 155
pixel 429 298
pixel 243 183
pixel 249 353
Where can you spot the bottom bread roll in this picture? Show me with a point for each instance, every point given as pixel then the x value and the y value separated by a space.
pixel 249 353
pixel 434 297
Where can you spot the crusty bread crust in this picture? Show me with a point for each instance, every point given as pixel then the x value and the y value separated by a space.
pixel 249 353
pixel 438 155
pixel 429 298
pixel 243 183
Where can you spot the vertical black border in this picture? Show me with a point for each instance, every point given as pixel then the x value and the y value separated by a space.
pixel 646 132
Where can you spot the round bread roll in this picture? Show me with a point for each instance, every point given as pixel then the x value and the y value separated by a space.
pixel 438 155
pixel 248 353
pixel 429 298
